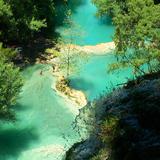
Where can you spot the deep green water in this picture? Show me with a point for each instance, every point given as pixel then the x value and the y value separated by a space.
pixel 44 126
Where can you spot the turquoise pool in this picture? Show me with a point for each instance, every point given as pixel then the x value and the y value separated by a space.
pixel 91 30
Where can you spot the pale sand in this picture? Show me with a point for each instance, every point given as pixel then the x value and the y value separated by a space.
pixel 98 49
pixel 55 151
pixel 50 149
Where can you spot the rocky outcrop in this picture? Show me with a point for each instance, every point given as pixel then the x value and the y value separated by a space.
pixel 76 96
pixel 84 150
pixel 137 108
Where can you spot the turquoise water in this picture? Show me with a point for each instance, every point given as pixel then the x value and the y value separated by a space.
pixel 44 126
pixel 94 79
pixel 87 28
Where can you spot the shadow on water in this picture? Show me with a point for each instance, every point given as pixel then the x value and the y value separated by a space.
pixel 19 107
pixel 81 84
pixel 106 20
pixel 74 4
pixel 61 10
pixel 14 141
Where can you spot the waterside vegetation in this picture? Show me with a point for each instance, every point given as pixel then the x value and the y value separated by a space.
pixel 124 123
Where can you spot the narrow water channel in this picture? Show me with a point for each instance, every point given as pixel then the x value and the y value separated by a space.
pixel 91 30
pixel 43 130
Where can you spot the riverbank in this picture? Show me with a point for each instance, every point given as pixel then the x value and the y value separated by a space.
pixel 76 96
pixel 128 115
pixel 60 85
pixel 62 88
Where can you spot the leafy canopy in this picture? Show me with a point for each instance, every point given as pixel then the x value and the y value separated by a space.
pixel 10 84
pixel 137 35
pixel 21 21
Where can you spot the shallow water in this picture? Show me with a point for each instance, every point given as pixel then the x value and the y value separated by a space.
pixel 93 78
pixel 87 28
pixel 44 127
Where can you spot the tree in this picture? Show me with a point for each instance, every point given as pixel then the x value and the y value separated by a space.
pixel 137 35
pixel 10 84
pixel 71 56
pixel 22 21
pixel 19 21
pixel 7 54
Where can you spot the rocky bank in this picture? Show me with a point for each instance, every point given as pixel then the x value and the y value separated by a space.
pixel 136 108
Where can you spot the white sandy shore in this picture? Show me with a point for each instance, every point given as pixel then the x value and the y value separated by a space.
pixel 99 49
pixel 71 104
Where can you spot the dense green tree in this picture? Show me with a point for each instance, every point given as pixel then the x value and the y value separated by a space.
pixel 21 21
pixel 7 54
pixel 10 84
pixel 137 35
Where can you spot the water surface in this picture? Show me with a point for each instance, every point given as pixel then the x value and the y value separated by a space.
pixel 44 121
pixel 87 28
pixel 95 80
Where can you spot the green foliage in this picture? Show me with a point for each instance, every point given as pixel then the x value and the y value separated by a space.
pixel 137 35
pixel 109 129
pixel 7 53
pixel 10 84
pixel 17 20
pixel 109 7
pixel 21 21
pixel 35 25
pixel 102 155
pixel 53 52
